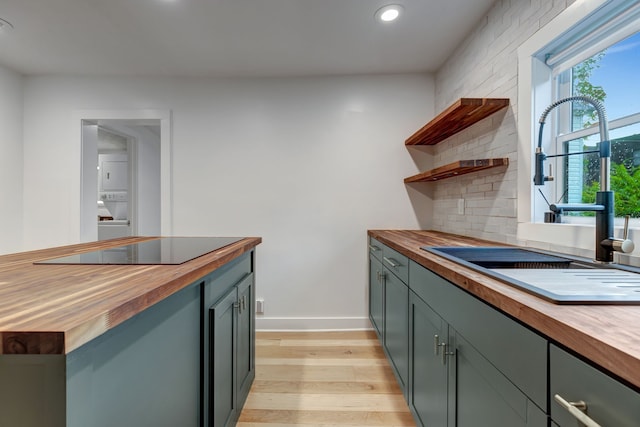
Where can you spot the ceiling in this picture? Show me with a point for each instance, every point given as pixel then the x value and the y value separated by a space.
pixel 204 38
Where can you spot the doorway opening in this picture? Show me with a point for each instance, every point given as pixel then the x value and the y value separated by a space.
pixel 124 182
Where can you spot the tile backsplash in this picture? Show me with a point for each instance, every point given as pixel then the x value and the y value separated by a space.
pixel 486 65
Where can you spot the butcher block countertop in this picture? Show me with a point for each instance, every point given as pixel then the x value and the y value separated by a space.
pixel 54 309
pixel 606 335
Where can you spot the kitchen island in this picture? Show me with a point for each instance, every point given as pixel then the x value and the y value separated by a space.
pixel 507 345
pixel 103 345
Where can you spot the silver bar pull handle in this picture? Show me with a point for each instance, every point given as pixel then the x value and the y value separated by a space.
pixel 373 248
pixel 392 262
pixel 436 345
pixel 576 409
pixel 445 353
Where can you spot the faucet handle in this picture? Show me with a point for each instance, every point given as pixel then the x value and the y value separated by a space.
pixel 624 245
pixel 626 227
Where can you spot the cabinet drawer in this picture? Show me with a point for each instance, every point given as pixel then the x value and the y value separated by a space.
pixel 395 262
pixel 221 280
pixel 517 352
pixel 609 403
pixel 375 248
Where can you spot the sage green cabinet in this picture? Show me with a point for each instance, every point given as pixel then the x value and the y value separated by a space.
pixel 607 401
pixel 396 321
pixel 517 352
pixel 118 378
pixel 452 384
pixel 468 364
pixel 428 376
pixel 481 395
pixel 174 364
pixel 223 350
pixel 495 367
pixel 388 305
pixel 376 295
pixel 232 350
pixel 460 362
pixel 245 359
pixel 230 357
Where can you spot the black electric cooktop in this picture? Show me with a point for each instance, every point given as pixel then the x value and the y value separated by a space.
pixel 166 250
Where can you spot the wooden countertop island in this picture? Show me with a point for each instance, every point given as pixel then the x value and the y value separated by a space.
pixel 606 335
pixel 99 345
pixel 54 309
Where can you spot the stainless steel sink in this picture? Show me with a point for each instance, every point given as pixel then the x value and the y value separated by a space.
pixel 557 278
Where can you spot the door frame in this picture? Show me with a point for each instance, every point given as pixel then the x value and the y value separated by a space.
pixel 164 116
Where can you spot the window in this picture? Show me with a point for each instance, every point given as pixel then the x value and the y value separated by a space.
pixel 599 58
pixel 610 76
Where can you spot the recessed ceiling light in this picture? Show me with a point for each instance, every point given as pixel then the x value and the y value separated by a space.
pixel 5 25
pixel 389 13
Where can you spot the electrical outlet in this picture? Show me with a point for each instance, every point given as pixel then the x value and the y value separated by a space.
pixel 460 206
pixel 260 306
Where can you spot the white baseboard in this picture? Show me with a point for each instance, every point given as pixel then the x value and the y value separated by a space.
pixel 312 323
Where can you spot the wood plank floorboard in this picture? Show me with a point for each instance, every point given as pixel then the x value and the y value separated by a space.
pixel 323 379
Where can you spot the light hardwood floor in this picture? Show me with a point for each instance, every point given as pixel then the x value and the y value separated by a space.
pixel 318 379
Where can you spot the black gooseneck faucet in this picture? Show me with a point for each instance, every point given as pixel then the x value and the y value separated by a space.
pixel 606 244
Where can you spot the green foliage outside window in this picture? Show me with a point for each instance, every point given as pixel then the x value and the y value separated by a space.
pixel 626 186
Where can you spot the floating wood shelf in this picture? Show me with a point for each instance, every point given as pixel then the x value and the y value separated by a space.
pixel 459 116
pixel 460 167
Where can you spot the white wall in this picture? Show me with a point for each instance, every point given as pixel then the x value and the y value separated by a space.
pixel 308 164
pixel 11 85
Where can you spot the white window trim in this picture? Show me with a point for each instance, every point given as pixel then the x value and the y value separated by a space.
pixel 617 28
pixel 577 236
pixel 631 119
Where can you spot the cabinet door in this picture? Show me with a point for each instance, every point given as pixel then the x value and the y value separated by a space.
pixel 376 295
pixel 245 354
pixel 222 402
pixel 484 397
pixel 396 326
pixel 395 262
pixel 427 373
pixel 215 287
